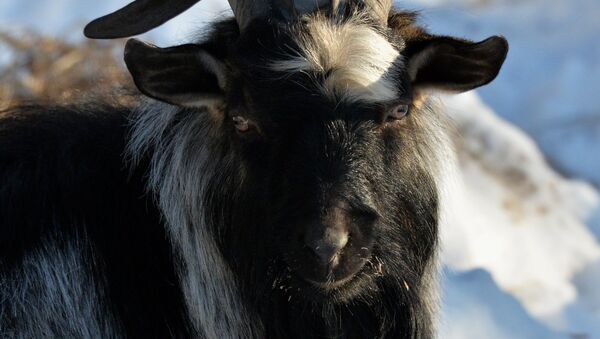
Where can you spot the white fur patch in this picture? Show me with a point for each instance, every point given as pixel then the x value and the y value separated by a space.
pixel 53 294
pixel 182 163
pixel 359 62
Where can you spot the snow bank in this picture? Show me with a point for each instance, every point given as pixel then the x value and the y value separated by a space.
pixel 514 216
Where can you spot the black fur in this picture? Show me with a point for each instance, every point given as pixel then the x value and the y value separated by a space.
pixel 62 175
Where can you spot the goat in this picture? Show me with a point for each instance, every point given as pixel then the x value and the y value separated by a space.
pixel 282 179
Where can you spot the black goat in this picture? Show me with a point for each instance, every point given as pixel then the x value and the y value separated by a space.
pixel 282 182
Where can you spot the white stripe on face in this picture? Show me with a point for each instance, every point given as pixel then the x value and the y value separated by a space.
pixel 359 62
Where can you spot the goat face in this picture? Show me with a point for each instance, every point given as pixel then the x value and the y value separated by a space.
pixel 335 149
pixel 337 164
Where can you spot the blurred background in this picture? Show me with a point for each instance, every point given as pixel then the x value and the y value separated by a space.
pixel 521 233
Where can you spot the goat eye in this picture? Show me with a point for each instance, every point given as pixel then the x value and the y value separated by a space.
pixel 398 113
pixel 242 125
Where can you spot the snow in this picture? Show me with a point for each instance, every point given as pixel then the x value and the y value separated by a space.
pixel 515 217
pixel 521 233
pixel 470 314
pixel 5 56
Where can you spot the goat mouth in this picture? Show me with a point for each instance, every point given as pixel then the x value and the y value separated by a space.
pixel 330 279
pixel 296 287
pixel 331 285
pixel 334 287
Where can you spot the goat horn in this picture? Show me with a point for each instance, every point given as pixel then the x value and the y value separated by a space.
pixel 380 9
pixel 136 18
pixel 141 16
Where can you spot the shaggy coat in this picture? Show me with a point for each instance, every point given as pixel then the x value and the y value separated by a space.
pixel 173 220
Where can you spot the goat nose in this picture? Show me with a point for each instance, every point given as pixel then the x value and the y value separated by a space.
pixel 328 248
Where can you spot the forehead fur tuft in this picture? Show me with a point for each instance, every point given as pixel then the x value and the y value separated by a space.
pixel 357 61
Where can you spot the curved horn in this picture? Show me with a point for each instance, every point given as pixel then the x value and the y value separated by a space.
pixel 141 16
pixel 136 18
pixel 245 11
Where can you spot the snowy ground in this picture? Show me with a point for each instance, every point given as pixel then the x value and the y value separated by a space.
pixel 521 251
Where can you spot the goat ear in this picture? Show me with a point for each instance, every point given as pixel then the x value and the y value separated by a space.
pixel 454 65
pixel 184 75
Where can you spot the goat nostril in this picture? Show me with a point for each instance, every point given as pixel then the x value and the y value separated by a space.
pixel 326 254
pixel 329 247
